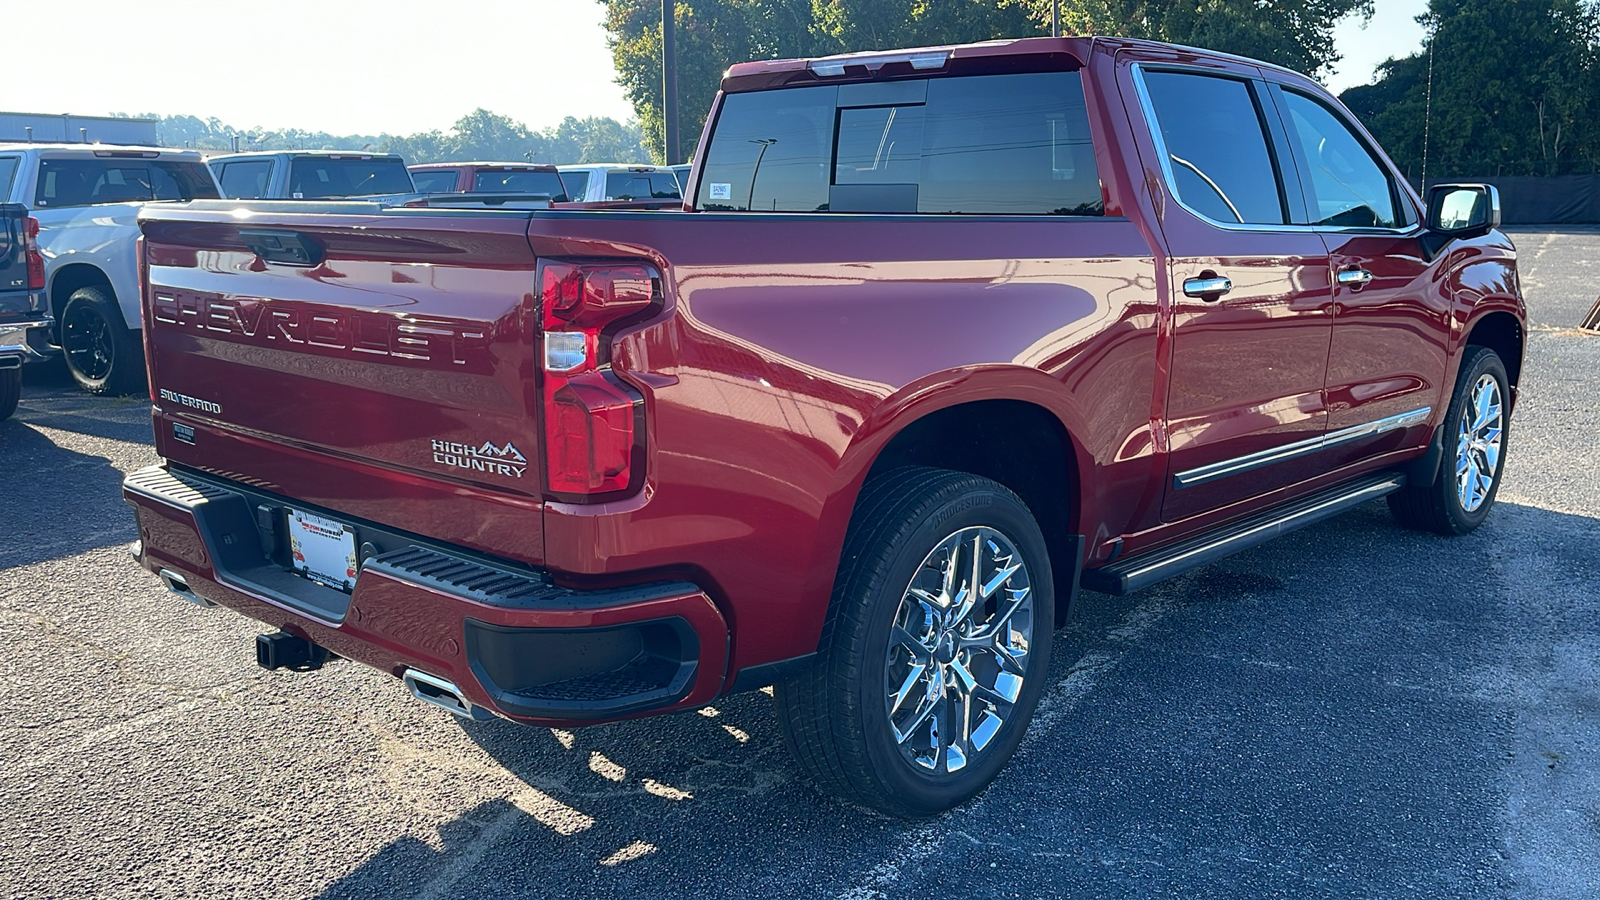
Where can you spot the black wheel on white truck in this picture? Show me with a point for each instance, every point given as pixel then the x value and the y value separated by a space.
pixel 101 352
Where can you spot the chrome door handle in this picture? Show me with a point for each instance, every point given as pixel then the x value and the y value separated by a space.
pixel 1207 288
pixel 1355 278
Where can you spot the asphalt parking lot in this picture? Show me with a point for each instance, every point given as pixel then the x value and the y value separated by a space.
pixel 1352 710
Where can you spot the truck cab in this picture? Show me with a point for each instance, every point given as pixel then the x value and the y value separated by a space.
pixel 310 175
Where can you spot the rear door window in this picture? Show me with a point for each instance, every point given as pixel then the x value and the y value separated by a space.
pixel 89 182
pixel 521 181
pixel 992 144
pixel 1214 137
pixel 314 177
pixel 246 179
pixel 436 181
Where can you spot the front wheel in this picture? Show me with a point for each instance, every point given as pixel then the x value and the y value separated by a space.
pixel 935 649
pixel 102 354
pixel 1474 433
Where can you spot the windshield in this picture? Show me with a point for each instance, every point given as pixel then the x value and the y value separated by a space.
pixel 516 181
pixel 314 177
pixel 89 182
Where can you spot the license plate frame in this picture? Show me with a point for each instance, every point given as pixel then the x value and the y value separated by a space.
pixel 322 550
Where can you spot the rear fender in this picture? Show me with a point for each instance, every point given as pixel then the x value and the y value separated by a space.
pixel 941 390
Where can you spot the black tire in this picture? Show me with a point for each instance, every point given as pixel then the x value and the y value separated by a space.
pixel 837 717
pixel 1439 507
pixel 101 353
pixel 10 392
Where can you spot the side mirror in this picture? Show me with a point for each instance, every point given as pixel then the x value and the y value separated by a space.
pixel 1463 210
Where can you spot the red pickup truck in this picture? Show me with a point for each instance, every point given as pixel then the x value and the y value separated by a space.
pixel 941 336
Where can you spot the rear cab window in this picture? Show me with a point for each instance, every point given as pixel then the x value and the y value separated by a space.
pixel 577 184
pixel 436 181
pixel 67 182
pixel 315 177
pixel 246 179
pixel 661 185
pixel 521 181
pixel 1010 144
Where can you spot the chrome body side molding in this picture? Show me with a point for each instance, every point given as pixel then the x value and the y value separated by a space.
pixel 1256 460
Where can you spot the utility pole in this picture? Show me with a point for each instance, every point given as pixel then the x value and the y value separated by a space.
pixel 669 80
pixel 1055 18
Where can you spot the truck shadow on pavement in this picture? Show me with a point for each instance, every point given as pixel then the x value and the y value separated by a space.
pixel 1341 710
pixel 57 502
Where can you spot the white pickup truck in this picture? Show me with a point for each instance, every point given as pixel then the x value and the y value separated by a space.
pixel 86 198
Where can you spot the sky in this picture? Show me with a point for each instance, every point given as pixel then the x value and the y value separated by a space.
pixel 381 66
pixel 1393 31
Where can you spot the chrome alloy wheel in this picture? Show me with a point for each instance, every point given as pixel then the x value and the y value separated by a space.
pixel 959 649
pixel 1478 444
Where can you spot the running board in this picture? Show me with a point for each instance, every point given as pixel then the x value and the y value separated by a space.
pixel 1138 572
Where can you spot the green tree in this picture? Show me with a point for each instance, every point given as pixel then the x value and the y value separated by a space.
pixel 1515 91
pixel 714 34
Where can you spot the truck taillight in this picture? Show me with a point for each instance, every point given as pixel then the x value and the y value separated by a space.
pixel 592 419
pixel 30 230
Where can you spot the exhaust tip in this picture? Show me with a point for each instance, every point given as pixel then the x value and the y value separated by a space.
pixel 443 694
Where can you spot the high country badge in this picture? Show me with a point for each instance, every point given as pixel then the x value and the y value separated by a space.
pixel 504 460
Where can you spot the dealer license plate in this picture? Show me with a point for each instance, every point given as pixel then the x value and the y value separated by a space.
pixel 323 550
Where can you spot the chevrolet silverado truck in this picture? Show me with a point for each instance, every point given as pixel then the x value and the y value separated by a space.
pixel 942 336
pixel 24 323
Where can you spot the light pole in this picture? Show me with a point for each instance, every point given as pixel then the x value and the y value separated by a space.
pixel 765 143
pixel 669 79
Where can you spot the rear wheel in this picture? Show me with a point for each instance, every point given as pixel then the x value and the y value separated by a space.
pixel 10 391
pixel 1474 432
pixel 101 353
pixel 935 649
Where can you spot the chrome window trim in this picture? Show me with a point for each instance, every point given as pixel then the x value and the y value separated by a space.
pixel 1261 458
pixel 1160 143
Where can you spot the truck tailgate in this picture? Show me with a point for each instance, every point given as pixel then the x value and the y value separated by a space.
pixel 376 363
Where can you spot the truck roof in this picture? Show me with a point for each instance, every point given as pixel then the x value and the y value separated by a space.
pixel 262 154
pixel 761 74
pixel 480 164
pixel 99 149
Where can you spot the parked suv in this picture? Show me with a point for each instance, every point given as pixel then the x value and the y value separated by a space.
pixel 310 175
pixel 86 198
pixel 24 324
pixel 942 336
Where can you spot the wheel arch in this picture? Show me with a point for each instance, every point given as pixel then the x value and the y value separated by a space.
pixel 1503 332
pixel 72 277
pixel 1012 425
